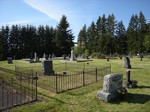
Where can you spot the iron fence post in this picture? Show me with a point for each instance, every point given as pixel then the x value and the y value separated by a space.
pixel 36 85
pixel 96 73
pixel 83 78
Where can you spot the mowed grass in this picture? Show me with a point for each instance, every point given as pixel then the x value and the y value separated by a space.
pixel 84 99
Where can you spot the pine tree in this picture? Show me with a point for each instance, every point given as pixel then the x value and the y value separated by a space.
pixel 4 36
pixel 49 35
pixel 121 41
pixel 64 37
pixel 132 35
pixel 82 40
pixel 92 38
pixel 147 40
pixel 142 31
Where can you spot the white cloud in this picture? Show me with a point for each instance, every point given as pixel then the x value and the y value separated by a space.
pixel 54 9
pixel 46 7
pixel 16 22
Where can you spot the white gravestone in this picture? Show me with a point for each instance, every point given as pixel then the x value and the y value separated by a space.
pixel 35 57
pixel 112 82
pixel 72 58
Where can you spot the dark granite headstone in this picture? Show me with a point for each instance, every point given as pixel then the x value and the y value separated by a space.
pixel 47 67
pixel 31 55
pixel 127 62
pixel 64 56
pixel 9 60
pixel 86 57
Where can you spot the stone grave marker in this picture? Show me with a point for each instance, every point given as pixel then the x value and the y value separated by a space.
pixel 72 58
pixel 127 62
pixel 47 67
pixel 112 82
pixel 64 56
pixel 9 60
pixel 35 57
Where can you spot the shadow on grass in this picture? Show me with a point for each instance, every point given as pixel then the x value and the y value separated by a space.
pixel 137 98
pixel 137 68
pixel 143 87
pixel 133 98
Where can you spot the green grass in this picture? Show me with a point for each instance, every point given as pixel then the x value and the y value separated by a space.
pixel 84 99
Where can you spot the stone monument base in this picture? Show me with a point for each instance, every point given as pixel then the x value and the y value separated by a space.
pixel 107 97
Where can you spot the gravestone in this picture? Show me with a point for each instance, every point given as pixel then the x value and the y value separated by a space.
pixel 130 55
pixel 47 67
pixel 72 58
pixel 86 57
pixel 49 56
pixel 127 62
pixel 130 83
pixel 44 55
pixel 35 57
pixel 112 82
pixel 140 56
pixel 64 56
pixel 9 60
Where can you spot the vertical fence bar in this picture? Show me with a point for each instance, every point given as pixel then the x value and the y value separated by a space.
pixel 12 91
pixel 110 68
pixel 7 94
pixel 3 93
pixel 36 85
pixel 96 73
pixel 83 77
pixel 20 89
pixel 56 84
pixel 32 85
pixel 28 87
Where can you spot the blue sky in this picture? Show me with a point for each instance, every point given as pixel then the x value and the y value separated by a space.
pixel 78 12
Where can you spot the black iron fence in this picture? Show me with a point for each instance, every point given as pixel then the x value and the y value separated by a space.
pixel 66 77
pixel 63 81
pixel 17 91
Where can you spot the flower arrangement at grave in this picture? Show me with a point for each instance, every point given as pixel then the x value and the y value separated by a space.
pixel 122 91
pixel 132 84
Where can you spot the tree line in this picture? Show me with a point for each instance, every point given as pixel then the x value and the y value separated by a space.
pixel 22 41
pixel 107 36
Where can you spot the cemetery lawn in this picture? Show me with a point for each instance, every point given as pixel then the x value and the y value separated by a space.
pixel 84 99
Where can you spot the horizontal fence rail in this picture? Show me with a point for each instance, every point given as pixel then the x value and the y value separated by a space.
pixel 17 91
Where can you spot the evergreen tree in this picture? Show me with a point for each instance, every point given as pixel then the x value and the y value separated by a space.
pixel 142 31
pixel 64 37
pixel 49 35
pixel 92 38
pixel 82 40
pixel 132 35
pixel 4 36
pixel 147 40
pixel 121 41
pixel 14 41
pixel 41 40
